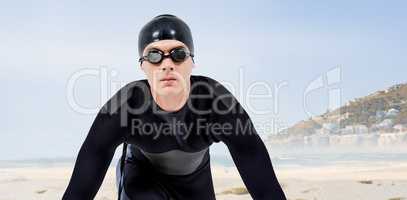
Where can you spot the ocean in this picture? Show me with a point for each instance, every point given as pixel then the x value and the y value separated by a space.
pixel 280 160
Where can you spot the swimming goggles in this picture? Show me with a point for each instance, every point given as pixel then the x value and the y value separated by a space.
pixel 155 56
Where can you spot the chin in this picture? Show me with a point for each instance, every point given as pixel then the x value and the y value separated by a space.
pixel 170 90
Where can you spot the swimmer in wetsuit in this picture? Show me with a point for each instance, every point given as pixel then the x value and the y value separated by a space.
pixel 169 121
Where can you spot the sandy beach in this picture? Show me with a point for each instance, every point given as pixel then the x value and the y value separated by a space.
pixel 351 181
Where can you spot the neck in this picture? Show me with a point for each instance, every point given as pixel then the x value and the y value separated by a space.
pixel 172 102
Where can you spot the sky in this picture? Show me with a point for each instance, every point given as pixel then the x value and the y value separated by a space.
pixel 309 55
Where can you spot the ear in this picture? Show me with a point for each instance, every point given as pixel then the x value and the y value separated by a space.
pixel 193 64
pixel 141 65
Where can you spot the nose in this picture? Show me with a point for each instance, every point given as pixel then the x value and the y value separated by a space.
pixel 167 64
pixel 165 68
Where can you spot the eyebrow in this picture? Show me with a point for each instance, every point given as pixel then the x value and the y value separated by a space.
pixel 157 48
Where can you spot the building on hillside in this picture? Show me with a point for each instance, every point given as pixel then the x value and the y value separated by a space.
pixel 392 113
pixel 380 114
pixel 371 139
pixel 400 128
pixel 351 140
pixel 391 139
pixel 355 129
pixel 317 140
pixel 386 125
pixel 328 128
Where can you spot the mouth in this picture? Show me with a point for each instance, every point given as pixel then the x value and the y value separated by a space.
pixel 168 79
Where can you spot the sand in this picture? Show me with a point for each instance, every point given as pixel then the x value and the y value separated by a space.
pixel 350 181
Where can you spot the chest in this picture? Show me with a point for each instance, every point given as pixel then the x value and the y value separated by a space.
pixel 156 134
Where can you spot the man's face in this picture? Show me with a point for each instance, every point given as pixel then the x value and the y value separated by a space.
pixel 167 77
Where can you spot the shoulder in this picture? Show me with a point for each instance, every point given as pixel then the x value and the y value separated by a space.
pixel 205 79
pixel 213 85
pixel 125 95
pixel 221 96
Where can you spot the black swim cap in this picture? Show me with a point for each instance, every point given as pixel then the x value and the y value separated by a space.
pixel 165 27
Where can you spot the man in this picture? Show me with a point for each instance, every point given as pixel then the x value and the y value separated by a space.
pixel 169 121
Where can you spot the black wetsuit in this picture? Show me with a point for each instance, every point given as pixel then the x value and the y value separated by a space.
pixel 170 161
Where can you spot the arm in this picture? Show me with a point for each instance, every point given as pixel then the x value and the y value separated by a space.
pixel 246 148
pixel 252 160
pixel 96 154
